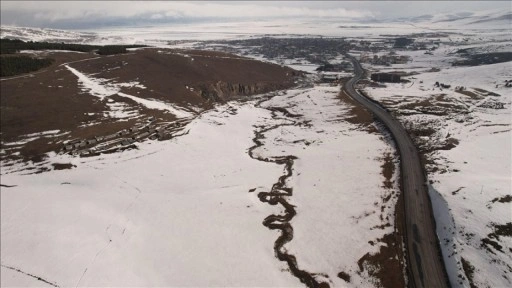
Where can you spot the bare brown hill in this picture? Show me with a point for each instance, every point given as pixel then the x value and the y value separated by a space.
pixel 52 99
pixel 214 76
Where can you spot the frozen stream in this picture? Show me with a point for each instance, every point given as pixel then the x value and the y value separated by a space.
pixel 186 211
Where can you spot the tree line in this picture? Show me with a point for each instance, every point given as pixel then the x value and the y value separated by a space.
pixel 14 65
pixel 12 46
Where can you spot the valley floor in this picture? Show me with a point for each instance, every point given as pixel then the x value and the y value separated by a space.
pixel 187 212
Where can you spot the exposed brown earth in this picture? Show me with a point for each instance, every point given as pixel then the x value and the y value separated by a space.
pixel 167 73
pixel 388 169
pixel 469 270
pixel 470 94
pixel 387 265
pixel 504 199
pixel 29 105
pixel 345 276
pixel 51 99
pixel 424 260
pixel 382 265
pixel 358 114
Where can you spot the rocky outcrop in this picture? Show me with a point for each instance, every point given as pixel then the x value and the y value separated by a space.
pixel 223 91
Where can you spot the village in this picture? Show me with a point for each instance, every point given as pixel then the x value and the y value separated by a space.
pixel 125 139
pixel 328 53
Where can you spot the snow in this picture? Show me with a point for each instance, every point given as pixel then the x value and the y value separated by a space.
pixel 102 88
pixel 179 212
pixel 167 214
pixel 473 173
pixel 93 86
pixel 185 35
pixel 37 52
pixel 300 65
pixel 484 77
pixel 119 110
pixel 339 168
pixel 24 139
pixel 18 279
pixel 43 34
pixel 49 132
pixel 484 175
pixel 155 104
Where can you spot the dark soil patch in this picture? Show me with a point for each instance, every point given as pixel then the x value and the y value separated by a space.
pixel 488 243
pixel 501 230
pixel 493 238
pixel 472 95
pixel 435 106
pixel 62 166
pixel 503 199
pixel 469 270
pixel 420 131
pixel 384 265
pixel 457 191
pixel 482 59
pixel 344 276
pixel 486 93
pixel 359 115
pixel 449 144
pixel 34 157
pixel 388 169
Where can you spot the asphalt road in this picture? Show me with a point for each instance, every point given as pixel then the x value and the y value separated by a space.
pixel 425 266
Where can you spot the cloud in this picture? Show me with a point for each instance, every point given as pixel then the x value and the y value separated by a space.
pixel 65 11
pixel 92 14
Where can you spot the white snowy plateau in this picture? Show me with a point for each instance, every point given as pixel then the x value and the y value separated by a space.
pixel 186 211
pixel 180 212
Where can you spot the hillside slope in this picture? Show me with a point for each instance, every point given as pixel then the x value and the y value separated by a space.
pixel 84 95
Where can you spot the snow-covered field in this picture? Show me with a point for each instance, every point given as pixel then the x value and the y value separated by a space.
pixel 469 179
pixel 179 212
pixel 186 212
pixel 173 213
pixel 185 35
pixel 337 184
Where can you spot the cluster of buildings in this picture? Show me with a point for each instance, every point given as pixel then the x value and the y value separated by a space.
pixel 124 139
pixel 386 77
pixel 385 60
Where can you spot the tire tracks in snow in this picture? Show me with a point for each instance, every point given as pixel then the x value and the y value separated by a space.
pixel 109 236
pixel 278 195
pixel 53 284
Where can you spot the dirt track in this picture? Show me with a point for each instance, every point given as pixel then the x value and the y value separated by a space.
pixel 425 265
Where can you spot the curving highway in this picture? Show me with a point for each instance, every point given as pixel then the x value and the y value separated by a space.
pixel 425 267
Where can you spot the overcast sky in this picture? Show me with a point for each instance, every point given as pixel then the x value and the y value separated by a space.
pixel 103 14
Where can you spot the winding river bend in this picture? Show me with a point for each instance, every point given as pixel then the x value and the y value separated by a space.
pixel 278 194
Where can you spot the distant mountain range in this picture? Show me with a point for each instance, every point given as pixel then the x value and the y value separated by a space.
pixel 461 18
pixel 445 21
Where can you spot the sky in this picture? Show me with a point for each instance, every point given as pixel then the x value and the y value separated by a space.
pixel 104 14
